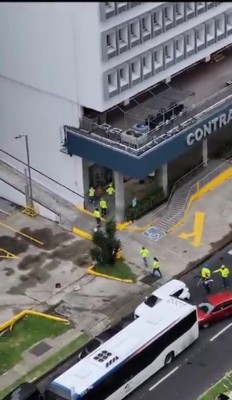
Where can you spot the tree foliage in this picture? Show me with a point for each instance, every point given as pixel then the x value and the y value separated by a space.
pixel 106 244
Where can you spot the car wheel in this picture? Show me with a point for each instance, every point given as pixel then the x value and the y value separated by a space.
pixel 169 357
pixel 205 325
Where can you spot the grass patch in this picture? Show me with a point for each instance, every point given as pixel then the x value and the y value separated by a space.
pixel 26 333
pixel 118 270
pixel 223 386
pixel 49 364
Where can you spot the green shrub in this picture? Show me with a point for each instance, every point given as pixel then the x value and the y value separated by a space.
pixel 145 205
pixel 106 244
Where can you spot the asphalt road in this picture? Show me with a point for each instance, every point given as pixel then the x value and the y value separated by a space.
pixel 206 361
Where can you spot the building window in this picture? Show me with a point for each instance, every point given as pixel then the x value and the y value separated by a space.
pixel 168 14
pixel 157 57
pixel 135 70
pixel 108 41
pixel 112 81
pixel 166 52
pixel 179 10
pixel 190 6
pixel 121 73
pixel 187 40
pixel 134 31
pixel 109 80
pixel 200 6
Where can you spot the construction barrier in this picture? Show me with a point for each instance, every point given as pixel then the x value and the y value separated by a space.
pixel 221 178
pixel 91 271
pixel 11 322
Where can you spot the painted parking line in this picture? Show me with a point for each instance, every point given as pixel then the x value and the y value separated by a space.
pixel 154 233
pixel 220 332
pixel 163 379
pixel 198 227
pixel 21 233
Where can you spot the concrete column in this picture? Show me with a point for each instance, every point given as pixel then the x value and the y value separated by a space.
pixel 164 178
pixel 168 79
pixel 205 152
pixel 119 197
pixel 85 171
pixel 126 102
pixel 207 59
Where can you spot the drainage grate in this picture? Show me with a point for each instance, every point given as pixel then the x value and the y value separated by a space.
pixel 149 280
pixel 40 349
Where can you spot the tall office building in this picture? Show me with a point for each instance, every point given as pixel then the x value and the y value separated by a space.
pixel 62 61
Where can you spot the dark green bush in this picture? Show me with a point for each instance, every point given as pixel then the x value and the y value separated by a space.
pixel 145 205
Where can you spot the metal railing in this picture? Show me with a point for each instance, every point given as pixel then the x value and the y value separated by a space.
pixel 153 138
pixel 196 187
pixel 180 182
pixel 184 179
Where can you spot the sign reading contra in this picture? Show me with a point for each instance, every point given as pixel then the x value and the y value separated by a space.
pixel 210 127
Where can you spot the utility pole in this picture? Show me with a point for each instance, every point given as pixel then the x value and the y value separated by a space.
pixel 28 168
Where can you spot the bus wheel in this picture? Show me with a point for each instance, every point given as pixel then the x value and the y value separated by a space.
pixel 169 357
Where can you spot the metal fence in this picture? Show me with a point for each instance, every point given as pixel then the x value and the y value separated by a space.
pixel 103 133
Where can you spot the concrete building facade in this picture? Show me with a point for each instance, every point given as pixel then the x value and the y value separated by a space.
pixel 60 62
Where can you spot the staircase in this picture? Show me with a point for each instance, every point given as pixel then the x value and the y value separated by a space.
pixel 175 209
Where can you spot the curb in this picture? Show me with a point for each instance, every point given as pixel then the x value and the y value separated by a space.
pixel 198 263
pixel 91 271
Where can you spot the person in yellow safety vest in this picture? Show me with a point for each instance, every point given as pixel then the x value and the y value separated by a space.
pixel 110 190
pixel 225 272
pixel 91 194
pixel 156 268
pixel 103 205
pixel 151 176
pixel 97 215
pixel 144 253
pixel 205 272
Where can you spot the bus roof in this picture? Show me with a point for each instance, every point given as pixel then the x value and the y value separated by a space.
pixel 123 345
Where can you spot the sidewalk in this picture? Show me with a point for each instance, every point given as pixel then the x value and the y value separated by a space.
pixel 98 303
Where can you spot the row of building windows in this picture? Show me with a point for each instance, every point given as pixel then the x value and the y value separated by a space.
pixel 108 10
pixel 149 25
pixel 168 54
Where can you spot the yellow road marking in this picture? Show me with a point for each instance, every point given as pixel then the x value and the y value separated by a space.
pixel 7 255
pixel 197 232
pixel 21 233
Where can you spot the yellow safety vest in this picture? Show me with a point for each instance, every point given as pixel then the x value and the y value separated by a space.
pixel 225 272
pixel 103 204
pixel 156 264
pixel 205 273
pixel 144 253
pixel 110 190
pixel 91 192
pixel 97 214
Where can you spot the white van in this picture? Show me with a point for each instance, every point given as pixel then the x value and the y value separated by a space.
pixel 174 288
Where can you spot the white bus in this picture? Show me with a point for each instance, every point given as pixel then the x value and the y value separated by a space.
pixel 133 355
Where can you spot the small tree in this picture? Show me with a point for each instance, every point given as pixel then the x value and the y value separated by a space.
pixel 106 244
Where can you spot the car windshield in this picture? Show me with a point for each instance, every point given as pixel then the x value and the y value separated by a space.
pixel 151 301
pixel 206 307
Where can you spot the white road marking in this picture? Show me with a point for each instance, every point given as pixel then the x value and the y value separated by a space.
pixel 163 379
pixel 219 333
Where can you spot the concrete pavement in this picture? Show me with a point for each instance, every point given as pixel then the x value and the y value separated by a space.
pixel 94 303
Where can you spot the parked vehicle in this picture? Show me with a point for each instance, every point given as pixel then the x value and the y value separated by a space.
pixel 25 391
pixel 98 341
pixel 215 308
pixel 173 288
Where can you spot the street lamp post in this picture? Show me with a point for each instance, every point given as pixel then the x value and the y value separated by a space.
pixel 28 167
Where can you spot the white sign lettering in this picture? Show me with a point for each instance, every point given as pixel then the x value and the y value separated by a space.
pixel 211 126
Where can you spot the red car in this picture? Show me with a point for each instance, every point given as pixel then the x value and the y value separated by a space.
pixel 215 308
